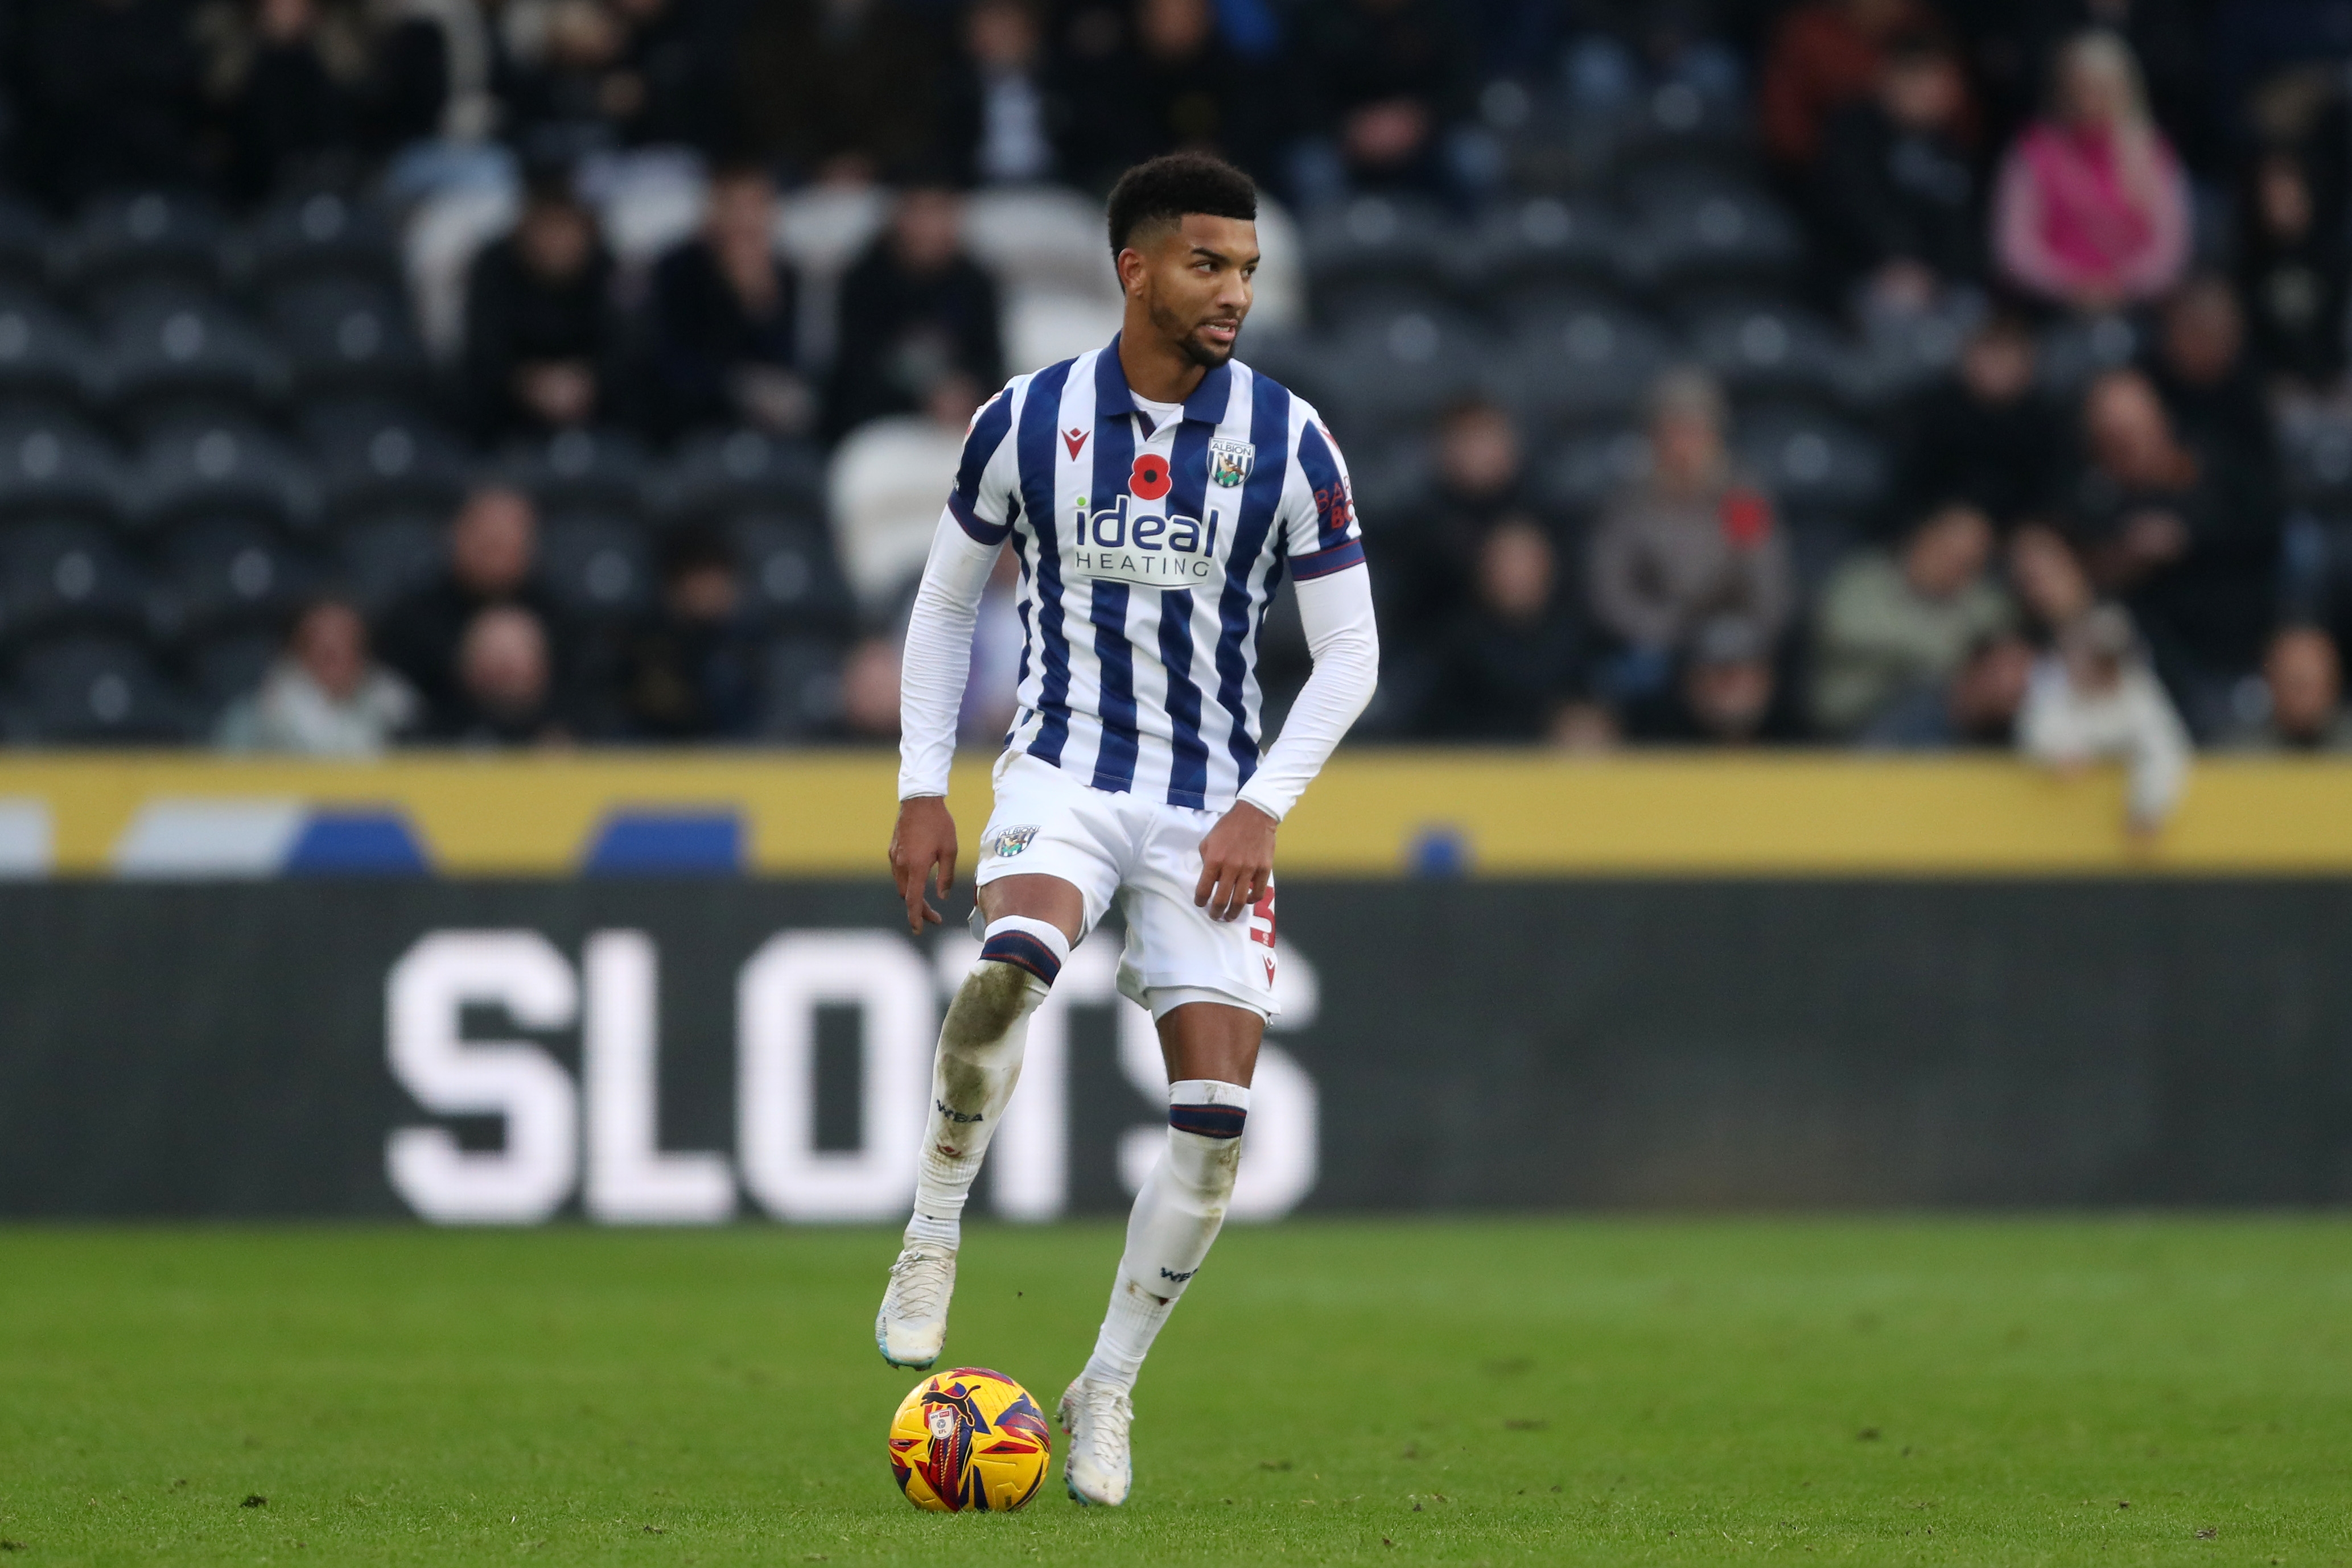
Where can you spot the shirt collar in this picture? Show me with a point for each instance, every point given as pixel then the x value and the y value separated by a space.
pixel 1113 397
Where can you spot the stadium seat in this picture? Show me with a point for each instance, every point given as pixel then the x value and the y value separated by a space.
pixel 593 470
pixel 1042 239
pixel 646 200
pixel 220 670
pixel 321 233
pixel 2078 348
pixel 225 574
pixel 1586 469
pixel 1673 127
pixel 369 455
pixel 1384 240
pixel 1391 369
pixel 1552 143
pixel 60 575
pixel 1042 327
pixel 168 348
pixel 720 473
pixel 823 229
pixel 800 689
pixel 1572 359
pixel 128 243
pixel 1548 241
pixel 1815 464
pixel 53 466
pixel 1759 346
pixel 347 334
pixel 383 557
pixel 1818 543
pixel 1690 230
pixel 1390 482
pixel 2315 459
pixel 790 575
pixel 1899 354
pixel 598 566
pixel 93 690
pixel 438 244
pixel 44 355
pixel 212 467
pixel 1292 358
pixel 1278 294
pixel 1366 305
pixel 884 490
pixel 27 248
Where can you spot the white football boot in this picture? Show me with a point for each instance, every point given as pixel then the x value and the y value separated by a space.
pixel 913 1323
pixel 1099 1468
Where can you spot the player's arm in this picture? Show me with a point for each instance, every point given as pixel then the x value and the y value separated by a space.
pixel 1237 855
pixel 932 669
pixel 937 658
pixel 1317 518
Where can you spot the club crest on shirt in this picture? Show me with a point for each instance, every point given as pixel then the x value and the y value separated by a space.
pixel 1006 843
pixel 1230 461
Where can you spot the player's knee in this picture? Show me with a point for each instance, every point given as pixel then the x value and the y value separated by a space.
pixel 1020 958
pixel 1205 1122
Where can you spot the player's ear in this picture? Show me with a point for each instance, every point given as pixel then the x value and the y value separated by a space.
pixel 1131 267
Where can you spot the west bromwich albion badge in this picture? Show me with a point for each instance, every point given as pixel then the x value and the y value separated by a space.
pixel 1230 461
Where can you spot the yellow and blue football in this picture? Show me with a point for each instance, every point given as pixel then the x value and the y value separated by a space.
pixel 970 1438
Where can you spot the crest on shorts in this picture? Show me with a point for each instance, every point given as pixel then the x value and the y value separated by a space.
pixel 1006 843
pixel 1230 461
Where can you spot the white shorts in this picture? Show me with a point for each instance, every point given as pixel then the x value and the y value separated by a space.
pixel 1146 854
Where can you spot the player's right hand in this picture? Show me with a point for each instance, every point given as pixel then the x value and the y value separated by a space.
pixel 924 838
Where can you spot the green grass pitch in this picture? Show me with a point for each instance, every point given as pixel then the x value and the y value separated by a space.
pixel 1964 1391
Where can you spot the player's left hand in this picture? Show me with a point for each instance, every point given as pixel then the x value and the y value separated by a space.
pixel 1237 862
pixel 924 838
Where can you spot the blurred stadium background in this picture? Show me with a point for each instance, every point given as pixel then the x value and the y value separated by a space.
pixel 1860 493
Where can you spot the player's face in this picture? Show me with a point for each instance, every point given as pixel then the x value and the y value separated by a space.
pixel 1195 281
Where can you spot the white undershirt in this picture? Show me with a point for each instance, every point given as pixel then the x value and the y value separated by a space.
pixel 1160 413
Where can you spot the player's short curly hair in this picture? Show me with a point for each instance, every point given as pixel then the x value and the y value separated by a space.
pixel 1165 189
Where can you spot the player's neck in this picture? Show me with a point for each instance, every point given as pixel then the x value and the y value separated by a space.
pixel 1155 368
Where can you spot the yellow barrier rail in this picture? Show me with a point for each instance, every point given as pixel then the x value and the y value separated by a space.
pixel 1520 814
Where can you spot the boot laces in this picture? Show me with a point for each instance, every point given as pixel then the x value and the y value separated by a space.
pixel 1101 1416
pixel 918 1281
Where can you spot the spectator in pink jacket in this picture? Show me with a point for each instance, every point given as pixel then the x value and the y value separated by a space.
pixel 2092 210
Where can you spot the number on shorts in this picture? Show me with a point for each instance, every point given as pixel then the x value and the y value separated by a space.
pixel 1262 910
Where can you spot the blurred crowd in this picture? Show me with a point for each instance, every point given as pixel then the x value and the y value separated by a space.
pixel 1874 372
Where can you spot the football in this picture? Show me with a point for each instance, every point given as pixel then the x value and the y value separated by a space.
pixel 970 1438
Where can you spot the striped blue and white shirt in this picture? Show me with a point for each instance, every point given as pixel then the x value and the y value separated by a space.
pixel 1149 558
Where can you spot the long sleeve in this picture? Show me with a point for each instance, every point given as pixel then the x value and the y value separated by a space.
pixel 2023 254
pixel 1769 585
pixel 2133 724
pixel 1335 611
pixel 1618 600
pixel 937 658
pixel 2158 763
pixel 2158 265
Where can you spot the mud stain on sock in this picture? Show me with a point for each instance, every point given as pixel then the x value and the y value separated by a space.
pixel 987 1004
pixel 991 1000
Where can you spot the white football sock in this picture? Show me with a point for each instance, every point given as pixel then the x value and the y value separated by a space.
pixel 1175 1218
pixel 978 1063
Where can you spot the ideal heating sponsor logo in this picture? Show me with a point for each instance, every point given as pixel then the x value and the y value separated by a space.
pixel 1133 541
pixel 1123 543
